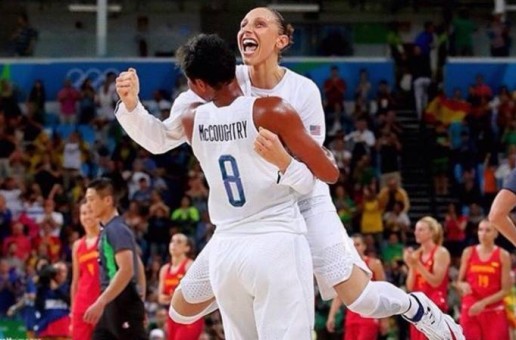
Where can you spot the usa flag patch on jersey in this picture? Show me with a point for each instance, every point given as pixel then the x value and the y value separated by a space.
pixel 315 130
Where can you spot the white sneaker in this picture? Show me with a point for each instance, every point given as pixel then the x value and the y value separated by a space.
pixel 435 324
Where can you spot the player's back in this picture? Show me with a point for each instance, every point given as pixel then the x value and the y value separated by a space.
pixel 244 194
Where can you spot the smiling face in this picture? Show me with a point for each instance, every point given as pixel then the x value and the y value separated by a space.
pixel 260 37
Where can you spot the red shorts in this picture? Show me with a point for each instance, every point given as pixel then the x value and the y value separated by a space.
pixel 60 327
pixel 81 330
pixel 177 331
pixel 490 324
pixel 365 330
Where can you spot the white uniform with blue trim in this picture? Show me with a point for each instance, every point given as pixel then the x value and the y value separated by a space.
pixel 259 262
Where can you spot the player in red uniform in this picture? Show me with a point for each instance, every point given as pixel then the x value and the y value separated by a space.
pixel 484 280
pixel 85 279
pixel 428 266
pixel 169 277
pixel 357 327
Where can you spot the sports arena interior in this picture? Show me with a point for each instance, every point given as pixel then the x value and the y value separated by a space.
pixel 419 102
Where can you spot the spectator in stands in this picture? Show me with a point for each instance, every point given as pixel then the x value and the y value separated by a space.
pixel 159 103
pixel 36 100
pixel 385 101
pixel 371 222
pixel 6 217
pixel 454 226
pixel 421 77
pixel 388 147
pixel 463 29
pixel 87 108
pixel 441 159
pixel 334 94
pixel 24 38
pixel 396 48
pixel 9 285
pixel 346 207
pixel 499 36
pixel 363 90
pixel 53 302
pixel 68 97
pixel 197 190
pixel 7 148
pixel 505 167
pixel 106 98
pixel 144 192
pixel 22 241
pixel 425 40
pixel 53 218
pixel 469 191
pixel 362 140
pixel 186 216
pixel 393 193
pixel 11 190
pixel 397 221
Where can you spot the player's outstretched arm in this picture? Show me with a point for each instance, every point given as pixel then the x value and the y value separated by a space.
pixel 149 132
pixel 503 204
pixel 277 116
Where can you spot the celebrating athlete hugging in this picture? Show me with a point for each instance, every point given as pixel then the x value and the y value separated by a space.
pixel 258 223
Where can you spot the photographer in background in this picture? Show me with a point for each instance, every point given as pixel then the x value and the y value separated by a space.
pixel 53 302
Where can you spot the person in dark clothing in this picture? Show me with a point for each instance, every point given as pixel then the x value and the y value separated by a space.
pixel 119 311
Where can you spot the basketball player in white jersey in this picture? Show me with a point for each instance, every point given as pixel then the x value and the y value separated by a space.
pixel 260 264
pixel 337 266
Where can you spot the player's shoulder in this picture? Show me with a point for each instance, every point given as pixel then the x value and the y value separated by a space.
pixel 296 80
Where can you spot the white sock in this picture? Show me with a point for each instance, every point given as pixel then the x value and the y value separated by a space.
pixel 381 299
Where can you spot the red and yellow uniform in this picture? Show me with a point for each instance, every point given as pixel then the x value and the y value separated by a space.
pixel 437 294
pixel 88 289
pixel 357 327
pixel 485 279
pixel 177 331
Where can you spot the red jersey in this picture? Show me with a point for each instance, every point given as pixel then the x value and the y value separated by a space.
pixel 173 277
pixel 88 287
pixel 484 278
pixel 437 294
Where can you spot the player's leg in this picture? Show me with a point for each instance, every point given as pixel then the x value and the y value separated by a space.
pixel 351 331
pixel 194 297
pixel 470 325
pixel 81 330
pixel 282 284
pixel 228 260
pixel 338 265
pixel 368 330
pixel 493 325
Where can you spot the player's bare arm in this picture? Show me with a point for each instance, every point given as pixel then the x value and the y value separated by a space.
pixel 499 216
pixel 277 116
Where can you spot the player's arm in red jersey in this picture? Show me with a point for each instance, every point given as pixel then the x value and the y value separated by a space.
pixel 75 273
pixel 376 267
pixel 410 256
pixel 461 285
pixel 439 268
pixel 479 306
pixel 163 299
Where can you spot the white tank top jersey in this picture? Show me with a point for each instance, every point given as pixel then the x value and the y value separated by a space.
pixel 244 195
